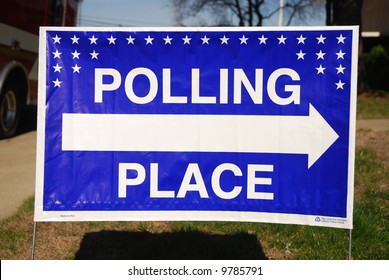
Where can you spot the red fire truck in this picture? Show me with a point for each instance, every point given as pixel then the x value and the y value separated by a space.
pixel 19 28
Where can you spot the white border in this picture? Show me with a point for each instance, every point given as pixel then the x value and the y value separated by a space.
pixel 203 29
pixel 41 126
pixel 352 124
pixel 232 216
pixel 66 216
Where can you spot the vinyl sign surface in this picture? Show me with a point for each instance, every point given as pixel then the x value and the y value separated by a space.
pixel 237 124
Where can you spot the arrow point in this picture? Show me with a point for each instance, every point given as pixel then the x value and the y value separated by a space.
pixel 324 136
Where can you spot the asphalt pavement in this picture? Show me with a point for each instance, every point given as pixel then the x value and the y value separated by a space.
pixel 18 155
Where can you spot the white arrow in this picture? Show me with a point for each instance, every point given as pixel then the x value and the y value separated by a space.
pixel 310 135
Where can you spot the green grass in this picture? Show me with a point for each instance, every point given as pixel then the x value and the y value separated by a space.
pixel 372 108
pixel 371 215
pixel 202 239
pixel 288 241
pixel 10 239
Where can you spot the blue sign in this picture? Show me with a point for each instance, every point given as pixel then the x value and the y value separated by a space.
pixel 237 124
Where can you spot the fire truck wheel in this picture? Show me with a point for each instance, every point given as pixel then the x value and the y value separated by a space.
pixel 9 111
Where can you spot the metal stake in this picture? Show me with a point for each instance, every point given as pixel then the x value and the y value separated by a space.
pixel 33 242
pixel 349 244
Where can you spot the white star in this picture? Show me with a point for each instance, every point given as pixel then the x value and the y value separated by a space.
pixel 149 40
pixel 57 83
pixel 340 54
pixel 76 68
pixel 93 40
pixel 57 54
pixel 76 54
pixel 186 40
pixel 341 39
pixel 320 69
pixel 168 40
pixel 111 40
pixel 340 69
pixel 339 85
pixel 243 40
pixel 320 55
pixel 224 40
pixel 262 40
pixel 205 40
pixel 300 55
pixel 301 39
pixel 94 54
pixel 57 39
pixel 281 40
pixel 130 40
pixel 57 68
pixel 320 40
pixel 75 40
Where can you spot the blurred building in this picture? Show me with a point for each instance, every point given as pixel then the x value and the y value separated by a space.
pixel 375 23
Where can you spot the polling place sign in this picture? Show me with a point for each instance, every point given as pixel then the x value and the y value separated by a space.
pixel 228 124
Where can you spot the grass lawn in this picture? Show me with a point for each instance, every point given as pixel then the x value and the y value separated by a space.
pixel 371 107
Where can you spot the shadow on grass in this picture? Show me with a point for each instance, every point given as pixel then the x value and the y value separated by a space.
pixel 193 245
